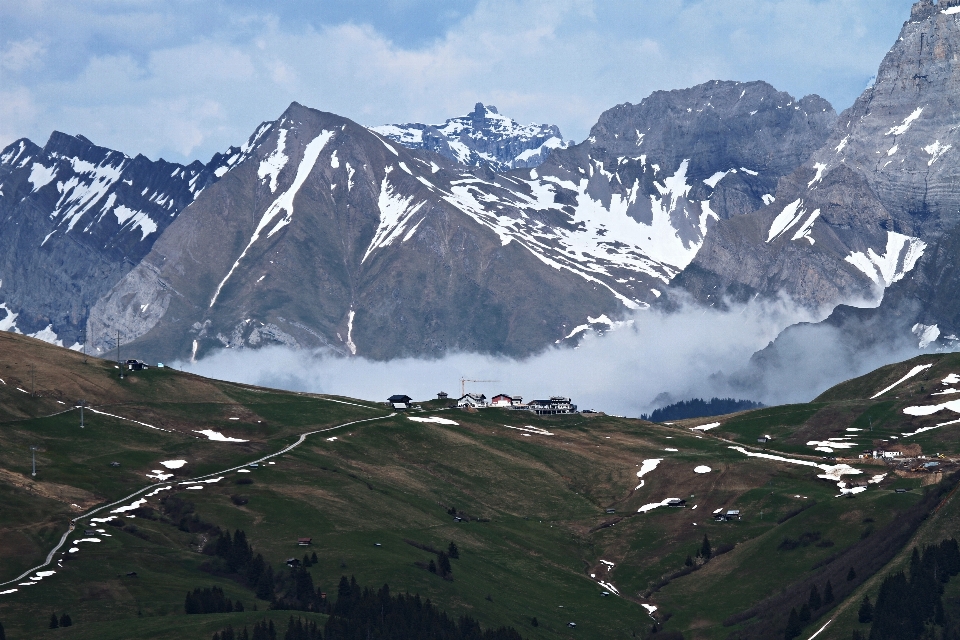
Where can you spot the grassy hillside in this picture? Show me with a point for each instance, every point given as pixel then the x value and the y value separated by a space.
pixel 532 495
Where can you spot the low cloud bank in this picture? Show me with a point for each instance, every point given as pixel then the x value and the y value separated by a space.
pixel 656 359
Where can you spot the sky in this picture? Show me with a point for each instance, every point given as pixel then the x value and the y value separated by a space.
pixel 183 79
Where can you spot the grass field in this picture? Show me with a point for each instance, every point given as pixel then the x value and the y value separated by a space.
pixel 535 534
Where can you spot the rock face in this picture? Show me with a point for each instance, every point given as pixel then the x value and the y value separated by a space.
pixel 74 218
pixel 327 234
pixel 484 138
pixel 857 216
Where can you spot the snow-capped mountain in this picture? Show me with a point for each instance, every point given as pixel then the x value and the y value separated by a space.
pixel 860 213
pixel 74 218
pixel 481 138
pixel 330 234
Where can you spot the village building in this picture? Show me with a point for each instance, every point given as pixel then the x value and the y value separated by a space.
pixel 442 395
pixel 399 401
pixel 555 405
pixel 472 401
pixel 503 400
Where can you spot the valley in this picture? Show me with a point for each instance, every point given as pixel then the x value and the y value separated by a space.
pixel 548 515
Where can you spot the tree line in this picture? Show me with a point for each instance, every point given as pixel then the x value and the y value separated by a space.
pixel 699 408
pixel 357 614
pixel 909 604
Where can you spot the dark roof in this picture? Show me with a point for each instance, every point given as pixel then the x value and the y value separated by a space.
pixel 399 398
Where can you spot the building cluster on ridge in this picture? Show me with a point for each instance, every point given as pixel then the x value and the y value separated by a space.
pixel 554 406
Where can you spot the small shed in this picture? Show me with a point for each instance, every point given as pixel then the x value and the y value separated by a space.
pixel 304 542
pixel 726 516
pixel 442 395
pixel 293 562
pixel 676 502
pixel 114 464
pixel 399 401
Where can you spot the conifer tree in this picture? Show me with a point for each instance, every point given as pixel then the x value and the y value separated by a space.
pixel 814 602
pixel 452 551
pixel 866 611
pixel 851 575
pixel 313 558
pixel 54 622
pixel 794 627
pixel 65 620
pixel 3 635
pixel 705 549
pixel 432 567
pixel 828 593
pixel 804 614
pixel 443 564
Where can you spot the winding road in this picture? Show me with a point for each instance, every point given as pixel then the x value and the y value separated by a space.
pixel 75 521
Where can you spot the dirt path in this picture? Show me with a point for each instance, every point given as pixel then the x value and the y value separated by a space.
pixel 90 513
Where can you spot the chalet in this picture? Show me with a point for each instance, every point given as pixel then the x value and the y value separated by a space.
pixel 136 365
pixel 553 406
pixel 676 502
pixel 293 562
pixel 503 400
pixel 304 542
pixel 114 464
pixel 726 516
pixel 399 401
pixel 611 510
pixel 472 400
pixel 442 395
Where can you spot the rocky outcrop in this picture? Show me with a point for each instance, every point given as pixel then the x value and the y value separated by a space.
pixel 857 215
pixel 74 218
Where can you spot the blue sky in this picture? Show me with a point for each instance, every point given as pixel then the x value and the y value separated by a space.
pixel 182 79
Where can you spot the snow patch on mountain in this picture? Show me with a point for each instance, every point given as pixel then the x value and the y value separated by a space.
pixel 900 256
pixel 41 176
pixel 277 160
pixel 902 128
pixel 396 212
pixel 283 203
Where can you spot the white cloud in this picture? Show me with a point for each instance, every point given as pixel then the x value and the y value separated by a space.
pixel 685 354
pixel 22 55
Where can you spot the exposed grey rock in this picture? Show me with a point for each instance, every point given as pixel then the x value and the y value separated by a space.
pixel 74 218
pixel 856 216
pixel 385 251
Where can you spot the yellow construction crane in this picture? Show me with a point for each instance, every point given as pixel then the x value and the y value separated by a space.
pixel 463 382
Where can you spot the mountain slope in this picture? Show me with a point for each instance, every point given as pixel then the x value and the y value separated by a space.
pixel 327 235
pixel 74 218
pixel 482 138
pixel 856 217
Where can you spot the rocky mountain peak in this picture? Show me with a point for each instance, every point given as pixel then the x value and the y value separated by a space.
pixel 482 138
pixel 859 213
